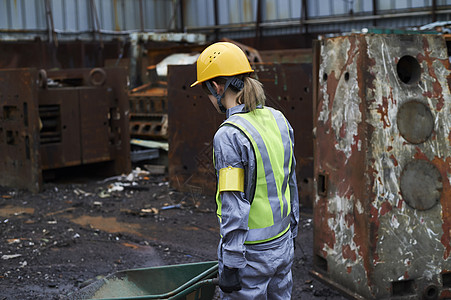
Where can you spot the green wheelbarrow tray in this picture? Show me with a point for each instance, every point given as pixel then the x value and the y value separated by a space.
pixel 195 281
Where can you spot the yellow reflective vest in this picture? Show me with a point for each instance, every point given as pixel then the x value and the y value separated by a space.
pixel 268 132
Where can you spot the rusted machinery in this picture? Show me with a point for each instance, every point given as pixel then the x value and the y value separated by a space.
pixel 193 122
pixel 148 109
pixel 55 119
pixel 148 102
pixel 382 209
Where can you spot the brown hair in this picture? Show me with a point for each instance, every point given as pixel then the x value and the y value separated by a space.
pixel 252 94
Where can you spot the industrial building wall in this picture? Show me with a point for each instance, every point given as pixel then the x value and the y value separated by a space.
pixel 235 18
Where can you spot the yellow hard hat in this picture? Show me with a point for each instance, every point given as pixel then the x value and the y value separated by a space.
pixel 221 59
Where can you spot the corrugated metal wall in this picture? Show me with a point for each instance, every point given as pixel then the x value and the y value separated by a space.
pixel 277 16
pixel 79 15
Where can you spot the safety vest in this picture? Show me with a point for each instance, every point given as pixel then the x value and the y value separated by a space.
pixel 267 130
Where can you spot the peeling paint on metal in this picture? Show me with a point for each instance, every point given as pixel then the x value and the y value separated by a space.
pixel 362 148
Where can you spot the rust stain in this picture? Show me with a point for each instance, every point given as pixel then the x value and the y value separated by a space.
pixel 437 91
pixel 395 161
pixel 348 253
pixel 444 166
pixel 365 236
pixel 349 219
pixel 445 294
pixel 385 208
pixel 332 84
pixel 383 109
pixel 419 154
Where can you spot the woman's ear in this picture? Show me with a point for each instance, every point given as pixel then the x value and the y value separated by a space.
pixel 219 88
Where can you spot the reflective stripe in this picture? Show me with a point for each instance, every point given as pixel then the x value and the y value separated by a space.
pixel 256 234
pixel 276 189
pixel 283 127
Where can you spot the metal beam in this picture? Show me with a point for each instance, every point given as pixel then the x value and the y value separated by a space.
pixel 374 12
pixel 258 32
pixel 141 15
pixel 433 9
pixel 304 16
pixel 216 13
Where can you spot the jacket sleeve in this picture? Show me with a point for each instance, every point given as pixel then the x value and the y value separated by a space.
pixel 232 148
pixel 293 191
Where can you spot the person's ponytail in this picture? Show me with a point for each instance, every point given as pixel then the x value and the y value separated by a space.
pixel 252 93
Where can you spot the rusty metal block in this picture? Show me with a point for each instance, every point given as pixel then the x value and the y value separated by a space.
pixel 148 112
pixel 151 126
pixel 193 122
pixel 59 119
pixel 382 122
pixel 19 129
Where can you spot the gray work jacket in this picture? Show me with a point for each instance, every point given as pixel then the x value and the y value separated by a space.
pixel 232 148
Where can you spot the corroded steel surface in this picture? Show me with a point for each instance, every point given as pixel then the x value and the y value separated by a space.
pixel 93 122
pixel 193 122
pixel 382 121
pixel 148 112
pixel 19 129
pixel 58 119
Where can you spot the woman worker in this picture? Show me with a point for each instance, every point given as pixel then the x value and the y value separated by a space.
pixel 257 196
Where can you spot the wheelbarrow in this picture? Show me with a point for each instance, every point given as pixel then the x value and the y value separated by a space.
pixel 193 281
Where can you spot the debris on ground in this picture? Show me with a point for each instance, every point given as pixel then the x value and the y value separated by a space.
pixel 72 234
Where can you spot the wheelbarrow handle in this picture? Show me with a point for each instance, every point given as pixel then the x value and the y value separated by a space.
pixel 212 281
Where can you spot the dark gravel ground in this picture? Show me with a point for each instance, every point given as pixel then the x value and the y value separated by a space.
pixel 79 230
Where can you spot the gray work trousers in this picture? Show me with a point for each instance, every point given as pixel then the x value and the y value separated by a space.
pixel 267 274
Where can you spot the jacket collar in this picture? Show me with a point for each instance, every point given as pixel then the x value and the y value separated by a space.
pixel 240 108
pixel 234 110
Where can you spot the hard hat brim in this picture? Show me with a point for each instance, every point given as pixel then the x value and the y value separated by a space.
pixel 206 79
pixel 195 83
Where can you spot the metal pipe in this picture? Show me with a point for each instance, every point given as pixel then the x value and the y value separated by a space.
pixel 182 12
pixel 374 12
pixel 96 22
pixel 304 15
pixel 135 60
pixel 141 15
pixel 216 13
pixel 258 32
pixel 50 24
pixel 433 9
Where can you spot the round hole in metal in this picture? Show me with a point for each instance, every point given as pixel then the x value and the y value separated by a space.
pixel 421 184
pixel 415 122
pixel 409 69
pixel 431 292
